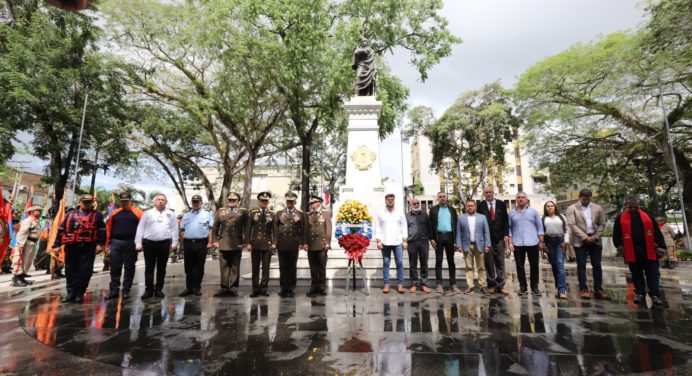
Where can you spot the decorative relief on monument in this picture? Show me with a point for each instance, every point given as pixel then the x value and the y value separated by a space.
pixel 363 158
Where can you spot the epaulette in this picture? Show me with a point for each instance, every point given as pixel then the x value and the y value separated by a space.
pixel 254 210
pixel 242 209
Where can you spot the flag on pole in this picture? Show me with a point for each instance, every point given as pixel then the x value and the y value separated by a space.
pixel 29 202
pixel 57 220
pixel 111 205
pixel 327 195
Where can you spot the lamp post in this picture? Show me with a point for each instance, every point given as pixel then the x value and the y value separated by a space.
pixel 650 176
pixel 96 163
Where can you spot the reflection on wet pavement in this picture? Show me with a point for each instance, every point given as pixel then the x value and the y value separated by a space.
pixel 380 334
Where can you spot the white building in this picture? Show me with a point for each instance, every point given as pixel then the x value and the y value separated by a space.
pixel 276 179
pixel 518 175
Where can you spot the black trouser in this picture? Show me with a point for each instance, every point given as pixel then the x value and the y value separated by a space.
pixel 288 263
pixel 418 250
pixel 264 258
pixel 229 263
pixel 195 254
pixel 520 254
pixel 155 257
pixel 495 265
pixel 123 254
pixel 445 247
pixel 79 265
pixel 645 267
pixel 318 270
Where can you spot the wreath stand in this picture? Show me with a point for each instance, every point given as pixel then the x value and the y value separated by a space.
pixel 352 269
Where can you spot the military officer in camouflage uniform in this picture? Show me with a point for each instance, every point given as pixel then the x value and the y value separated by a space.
pixel 227 237
pixel 319 237
pixel 291 229
pixel 261 241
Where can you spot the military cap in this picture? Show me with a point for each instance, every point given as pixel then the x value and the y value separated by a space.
pixel 35 207
pixel 196 198
pixel 233 196
pixel 315 199
pixel 264 196
pixel 125 196
pixel 86 197
pixel 291 196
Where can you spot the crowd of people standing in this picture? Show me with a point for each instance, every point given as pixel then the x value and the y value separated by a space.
pixel 484 231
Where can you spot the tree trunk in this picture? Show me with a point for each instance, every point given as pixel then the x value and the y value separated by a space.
pixel 247 180
pixel 306 167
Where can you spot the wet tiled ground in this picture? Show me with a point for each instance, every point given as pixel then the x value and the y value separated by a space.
pixel 396 334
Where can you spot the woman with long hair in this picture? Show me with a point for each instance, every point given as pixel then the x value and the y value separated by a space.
pixel 557 242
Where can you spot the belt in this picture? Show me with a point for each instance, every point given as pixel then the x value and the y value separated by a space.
pixel 195 240
pixel 32 239
pixel 553 236
pixel 123 239
pixel 158 241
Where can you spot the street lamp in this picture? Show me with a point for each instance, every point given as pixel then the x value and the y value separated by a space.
pixel 96 163
pixel 650 175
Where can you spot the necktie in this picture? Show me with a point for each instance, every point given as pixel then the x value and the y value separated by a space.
pixel 492 211
pixel 263 218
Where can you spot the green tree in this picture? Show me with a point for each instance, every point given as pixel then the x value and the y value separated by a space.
pixel 594 108
pixel 419 118
pixel 472 134
pixel 48 64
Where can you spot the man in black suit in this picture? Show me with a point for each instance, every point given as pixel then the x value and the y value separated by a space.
pixel 498 219
pixel 443 224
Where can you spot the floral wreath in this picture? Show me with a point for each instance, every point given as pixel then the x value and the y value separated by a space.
pixel 354 229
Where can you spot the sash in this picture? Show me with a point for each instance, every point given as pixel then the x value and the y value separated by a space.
pixel 626 224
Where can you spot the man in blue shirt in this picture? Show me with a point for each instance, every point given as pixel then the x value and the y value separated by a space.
pixel 443 224
pixel 525 238
pixel 194 229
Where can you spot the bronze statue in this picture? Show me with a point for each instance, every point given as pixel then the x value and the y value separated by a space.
pixel 364 65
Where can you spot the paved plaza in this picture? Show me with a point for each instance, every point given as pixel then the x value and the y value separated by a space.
pixel 394 334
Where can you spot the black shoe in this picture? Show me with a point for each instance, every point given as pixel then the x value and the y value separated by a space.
pixel 522 292
pixel 639 299
pixel 113 295
pixel 159 294
pixel 18 282
pixel 536 292
pixel 254 294
pixel 222 293
pixel 283 294
pixel 186 292
pixel 197 292
pixel 126 294
pixel 79 299
pixel 265 293
pixel 148 294
pixel 68 299
pixel 291 294
pixel 657 300
pixel 24 275
pixel 322 292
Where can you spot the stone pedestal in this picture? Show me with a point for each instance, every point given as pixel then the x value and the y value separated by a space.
pixel 363 176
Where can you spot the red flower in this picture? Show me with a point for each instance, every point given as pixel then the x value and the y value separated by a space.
pixel 354 245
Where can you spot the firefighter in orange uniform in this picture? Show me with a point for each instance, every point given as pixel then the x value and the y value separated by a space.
pixel 83 233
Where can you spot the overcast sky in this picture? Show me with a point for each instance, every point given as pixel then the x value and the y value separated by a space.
pixel 501 38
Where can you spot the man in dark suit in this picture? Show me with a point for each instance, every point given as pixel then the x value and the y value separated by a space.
pixel 496 213
pixel 443 224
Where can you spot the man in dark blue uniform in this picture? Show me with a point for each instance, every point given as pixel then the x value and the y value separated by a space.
pixel 83 233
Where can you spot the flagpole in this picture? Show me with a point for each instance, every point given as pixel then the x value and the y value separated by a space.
pixel 79 148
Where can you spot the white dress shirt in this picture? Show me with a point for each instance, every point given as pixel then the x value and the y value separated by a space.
pixel 472 226
pixel 586 210
pixel 391 227
pixel 157 225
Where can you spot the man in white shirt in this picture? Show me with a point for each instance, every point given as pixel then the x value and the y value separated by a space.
pixel 157 235
pixel 391 233
pixel 473 238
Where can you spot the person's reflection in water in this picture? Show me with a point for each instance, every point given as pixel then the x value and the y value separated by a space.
pixel 392 357
pixel 567 364
pixel 501 341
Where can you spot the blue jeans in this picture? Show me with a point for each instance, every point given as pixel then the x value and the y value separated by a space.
pixel 557 260
pixel 594 252
pixel 398 259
